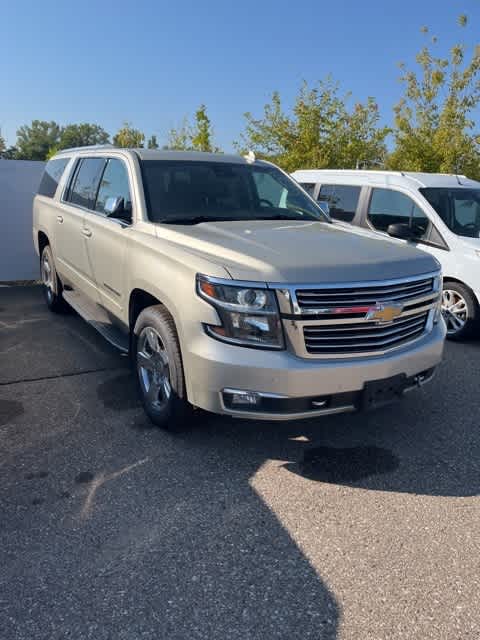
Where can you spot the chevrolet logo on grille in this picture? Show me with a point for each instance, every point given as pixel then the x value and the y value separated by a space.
pixel 384 313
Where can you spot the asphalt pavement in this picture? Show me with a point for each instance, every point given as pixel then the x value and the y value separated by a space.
pixel 361 526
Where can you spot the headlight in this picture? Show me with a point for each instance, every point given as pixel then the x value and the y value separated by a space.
pixel 249 315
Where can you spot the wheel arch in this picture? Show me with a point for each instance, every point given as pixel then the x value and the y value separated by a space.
pixel 447 279
pixel 43 241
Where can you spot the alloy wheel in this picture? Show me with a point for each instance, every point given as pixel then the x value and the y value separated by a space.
pixel 455 311
pixel 153 369
pixel 47 275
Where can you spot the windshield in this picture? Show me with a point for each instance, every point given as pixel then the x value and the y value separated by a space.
pixel 458 208
pixel 185 192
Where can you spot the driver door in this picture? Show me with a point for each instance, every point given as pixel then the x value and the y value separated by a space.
pixel 107 237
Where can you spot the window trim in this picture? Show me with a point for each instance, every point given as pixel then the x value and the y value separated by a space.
pixel 94 212
pixel 79 161
pixel 408 194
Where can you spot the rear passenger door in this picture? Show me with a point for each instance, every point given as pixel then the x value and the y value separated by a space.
pixel 342 200
pixel 70 248
pixel 107 237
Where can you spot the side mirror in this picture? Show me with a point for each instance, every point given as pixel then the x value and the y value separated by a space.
pixel 402 230
pixel 115 208
pixel 324 206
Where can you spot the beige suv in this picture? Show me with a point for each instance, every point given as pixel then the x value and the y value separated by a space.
pixel 229 287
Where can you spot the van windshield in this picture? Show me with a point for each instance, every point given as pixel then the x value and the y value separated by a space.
pixel 184 192
pixel 458 208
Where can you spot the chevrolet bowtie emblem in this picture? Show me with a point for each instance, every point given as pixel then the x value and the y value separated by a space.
pixel 383 313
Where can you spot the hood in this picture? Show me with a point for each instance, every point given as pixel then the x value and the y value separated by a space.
pixel 298 251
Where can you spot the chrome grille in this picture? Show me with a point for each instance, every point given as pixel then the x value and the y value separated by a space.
pixel 346 296
pixel 361 337
pixel 358 318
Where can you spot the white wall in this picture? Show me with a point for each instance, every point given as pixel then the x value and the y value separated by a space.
pixel 19 180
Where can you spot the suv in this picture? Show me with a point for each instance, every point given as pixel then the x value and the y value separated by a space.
pixel 438 212
pixel 230 288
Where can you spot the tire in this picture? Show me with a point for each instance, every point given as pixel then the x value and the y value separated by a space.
pixel 52 287
pixel 159 370
pixel 460 311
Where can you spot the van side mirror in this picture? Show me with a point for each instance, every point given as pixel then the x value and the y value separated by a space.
pixel 115 208
pixel 403 231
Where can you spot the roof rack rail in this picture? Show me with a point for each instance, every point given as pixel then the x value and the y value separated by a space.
pixel 86 147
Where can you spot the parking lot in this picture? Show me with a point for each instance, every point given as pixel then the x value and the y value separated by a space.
pixel 357 526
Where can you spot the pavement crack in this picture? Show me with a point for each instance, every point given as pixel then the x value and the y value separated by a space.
pixel 60 375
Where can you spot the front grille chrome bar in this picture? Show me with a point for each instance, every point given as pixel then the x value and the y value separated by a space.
pixel 358 319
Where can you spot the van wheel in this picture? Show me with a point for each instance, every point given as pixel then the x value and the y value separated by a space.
pixel 460 311
pixel 159 369
pixel 52 287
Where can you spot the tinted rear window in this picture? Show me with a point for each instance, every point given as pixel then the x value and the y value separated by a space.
pixel 51 176
pixel 83 190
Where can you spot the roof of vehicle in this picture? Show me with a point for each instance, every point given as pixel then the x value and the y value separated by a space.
pixel 386 178
pixel 162 154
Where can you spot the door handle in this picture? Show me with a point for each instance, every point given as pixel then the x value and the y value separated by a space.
pixel 87 232
pixel 60 218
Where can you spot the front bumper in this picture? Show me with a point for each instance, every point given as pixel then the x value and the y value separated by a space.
pixel 212 366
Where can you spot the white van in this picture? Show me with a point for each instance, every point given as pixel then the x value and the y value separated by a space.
pixel 439 213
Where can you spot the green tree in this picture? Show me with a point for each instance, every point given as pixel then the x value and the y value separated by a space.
pixel 202 133
pixel 193 137
pixel 3 146
pixel 82 135
pixel 435 124
pixel 180 139
pixel 35 141
pixel 11 153
pixel 152 142
pixel 319 132
pixel 128 137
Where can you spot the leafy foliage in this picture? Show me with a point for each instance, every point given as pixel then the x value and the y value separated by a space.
pixel 82 135
pixel 320 131
pixel 35 141
pixel 152 142
pixel 435 128
pixel 3 146
pixel 193 137
pixel 128 137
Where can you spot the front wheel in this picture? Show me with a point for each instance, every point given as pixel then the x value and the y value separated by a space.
pixel 460 311
pixel 159 370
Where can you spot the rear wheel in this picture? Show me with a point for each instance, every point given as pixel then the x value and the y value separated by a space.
pixel 52 287
pixel 460 311
pixel 159 369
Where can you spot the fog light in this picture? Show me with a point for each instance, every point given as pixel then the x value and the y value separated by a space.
pixel 238 398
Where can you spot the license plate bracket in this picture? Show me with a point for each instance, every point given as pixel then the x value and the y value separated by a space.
pixel 378 393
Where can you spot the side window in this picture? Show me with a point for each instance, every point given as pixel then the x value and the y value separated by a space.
pixel 309 187
pixel 114 184
pixel 83 189
pixel 52 176
pixel 342 200
pixel 391 207
pixel 270 192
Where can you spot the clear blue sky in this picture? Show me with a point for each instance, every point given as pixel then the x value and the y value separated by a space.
pixel 151 62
